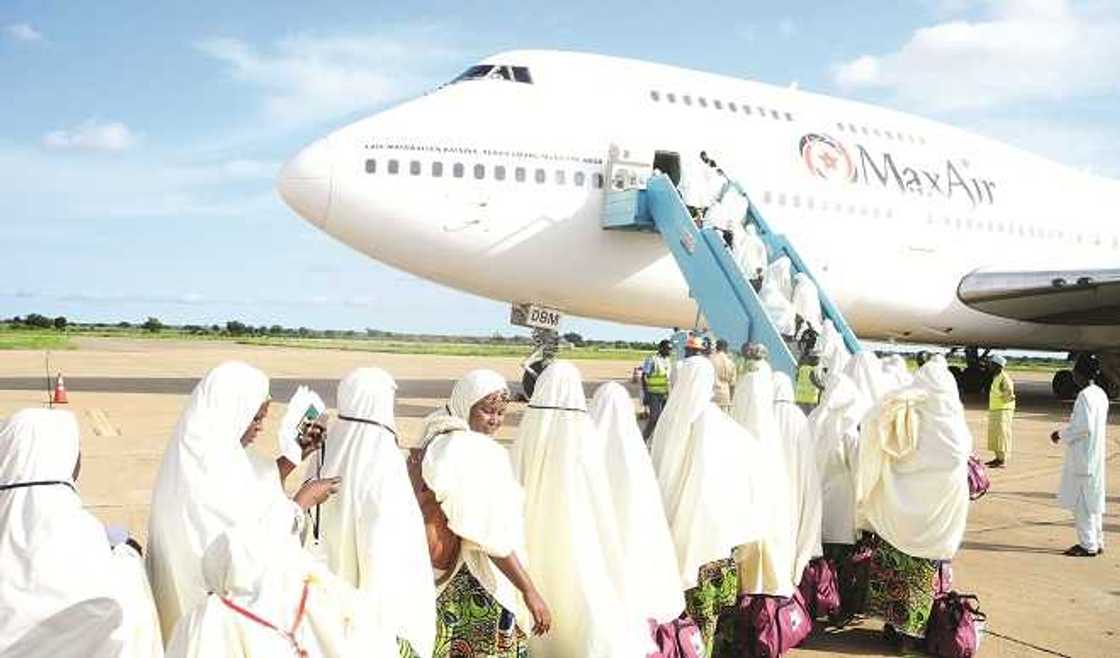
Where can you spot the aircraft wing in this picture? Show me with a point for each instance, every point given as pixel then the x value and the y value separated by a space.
pixel 1081 297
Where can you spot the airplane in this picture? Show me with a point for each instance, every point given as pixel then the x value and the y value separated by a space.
pixel 495 184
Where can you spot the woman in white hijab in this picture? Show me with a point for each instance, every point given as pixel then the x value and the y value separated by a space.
pixel 894 366
pixel 207 484
pixel 778 307
pixel 780 273
pixel 806 302
pixel 63 590
pixel 835 427
pixel 575 552
pixel 801 469
pixel 372 533
pixel 653 584
pixel 866 372
pixel 486 599
pixel 834 353
pixel 274 601
pixel 766 566
pixel 912 491
pixel 707 467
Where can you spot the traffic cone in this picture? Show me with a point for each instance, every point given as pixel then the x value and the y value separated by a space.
pixel 59 391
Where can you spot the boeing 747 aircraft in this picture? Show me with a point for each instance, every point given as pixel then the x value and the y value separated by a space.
pixel 920 232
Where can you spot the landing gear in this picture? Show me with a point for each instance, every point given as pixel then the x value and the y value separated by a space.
pixel 547 342
pixel 974 378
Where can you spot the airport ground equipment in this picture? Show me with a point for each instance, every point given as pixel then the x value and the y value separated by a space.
pixel 726 298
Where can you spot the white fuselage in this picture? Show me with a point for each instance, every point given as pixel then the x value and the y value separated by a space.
pixel 490 186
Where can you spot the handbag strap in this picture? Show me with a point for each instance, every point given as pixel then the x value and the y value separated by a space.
pixel 300 652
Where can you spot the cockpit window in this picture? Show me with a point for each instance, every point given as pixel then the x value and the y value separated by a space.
pixel 496 72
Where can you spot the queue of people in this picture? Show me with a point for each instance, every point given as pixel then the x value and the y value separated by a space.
pixel 578 541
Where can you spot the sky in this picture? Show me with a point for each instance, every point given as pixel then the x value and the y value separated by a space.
pixel 139 141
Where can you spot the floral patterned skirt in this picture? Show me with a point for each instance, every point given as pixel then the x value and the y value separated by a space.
pixel 713 598
pixel 470 623
pixel 901 588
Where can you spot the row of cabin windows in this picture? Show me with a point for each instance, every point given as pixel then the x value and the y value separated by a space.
pixel 478 171
pixel 878 132
pixel 715 103
pixel 969 224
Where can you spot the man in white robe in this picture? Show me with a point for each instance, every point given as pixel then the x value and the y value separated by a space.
pixel 63 591
pixel 575 552
pixel 801 469
pixel 767 566
pixel 1082 489
pixel 371 533
pixel 653 586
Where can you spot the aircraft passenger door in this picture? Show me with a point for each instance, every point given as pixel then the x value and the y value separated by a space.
pixel 668 163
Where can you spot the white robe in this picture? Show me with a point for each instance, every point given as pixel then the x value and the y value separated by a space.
pixel 767 566
pixel 1083 472
pixel 653 585
pixel 801 468
pixel 63 591
pixel 912 480
pixel 269 582
pixel 207 485
pixel 896 372
pixel 835 427
pixel 777 307
pixel 751 252
pixel 707 468
pixel 807 300
pixel 780 273
pixel 866 372
pixel 371 531
pixel 575 553
pixel 834 353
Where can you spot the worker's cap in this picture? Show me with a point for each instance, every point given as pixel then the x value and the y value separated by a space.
pixel 999 360
pixel 693 343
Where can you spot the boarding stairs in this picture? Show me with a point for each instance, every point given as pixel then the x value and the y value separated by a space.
pixel 733 309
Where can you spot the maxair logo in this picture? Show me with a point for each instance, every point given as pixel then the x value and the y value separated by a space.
pixel 829 159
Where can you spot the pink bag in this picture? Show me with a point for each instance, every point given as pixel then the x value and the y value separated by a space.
pixel 679 638
pixel 772 625
pixel 955 626
pixel 978 480
pixel 819 589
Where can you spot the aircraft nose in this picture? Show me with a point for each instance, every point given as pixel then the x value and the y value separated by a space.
pixel 305 182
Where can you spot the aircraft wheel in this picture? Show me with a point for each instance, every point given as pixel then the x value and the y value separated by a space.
pixel 973 381
pixel 958 374
pixel 1063 385
pixel 1111 389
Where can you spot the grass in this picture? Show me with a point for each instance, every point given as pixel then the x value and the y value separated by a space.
pixel 444 349
pixel 34 340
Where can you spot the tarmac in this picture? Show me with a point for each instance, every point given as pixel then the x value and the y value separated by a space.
pixel 127 396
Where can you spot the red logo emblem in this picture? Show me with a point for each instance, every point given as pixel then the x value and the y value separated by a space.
pixel 827 158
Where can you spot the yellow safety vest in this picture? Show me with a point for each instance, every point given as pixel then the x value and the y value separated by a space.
pixel 658 380
pixel 1001 395
pixel 806 392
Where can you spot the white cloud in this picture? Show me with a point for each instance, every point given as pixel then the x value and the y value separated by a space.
pixel 1023 50
pixel 93 135
pixel 313 78
pixel 21 32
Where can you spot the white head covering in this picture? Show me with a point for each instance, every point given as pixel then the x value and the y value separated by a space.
pixel 780 271
pixel 474 386
pixel 654 585
pixel 835 427
pixel 707 468
pixel 207 485
pixel 777 306
pixel 866 372
pixel 244 569
pixel 803 477
pixel 912 483
pixel 372 531
pixel 898 375
pixel 61 589
pixel 834 353
pixel 807 300
pixel 575 553
pixel 766 567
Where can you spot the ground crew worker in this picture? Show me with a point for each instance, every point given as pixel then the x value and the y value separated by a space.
pixel 1001 411
pixel 725 376
pixel 655 384
pixel 807 387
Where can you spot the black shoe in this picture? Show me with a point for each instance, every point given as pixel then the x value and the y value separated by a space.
pixel 995 463
pixel 1077 550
